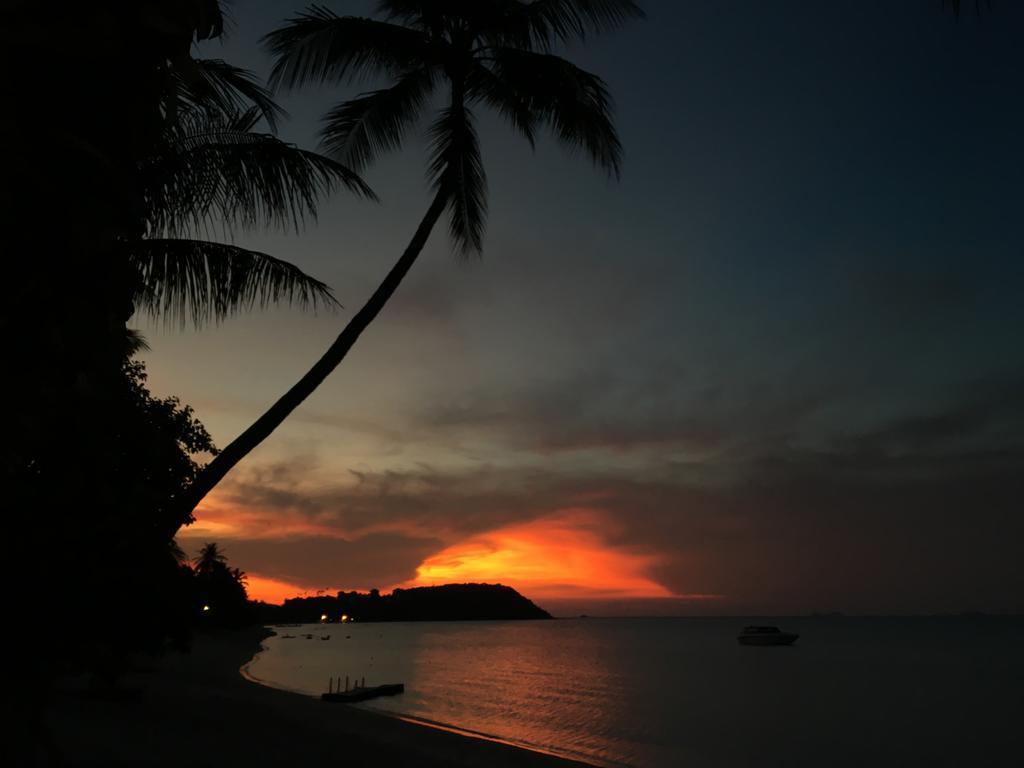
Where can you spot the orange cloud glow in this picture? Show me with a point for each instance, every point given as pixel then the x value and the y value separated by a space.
pixel 555 557
pixel 271 590
pixel 221 516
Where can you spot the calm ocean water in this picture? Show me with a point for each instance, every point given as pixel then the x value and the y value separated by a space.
pixel 654 693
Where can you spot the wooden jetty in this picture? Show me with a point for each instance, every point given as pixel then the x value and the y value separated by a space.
pixel 360 692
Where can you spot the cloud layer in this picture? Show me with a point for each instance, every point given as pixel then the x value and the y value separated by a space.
pixel 779 364
pixel 920 514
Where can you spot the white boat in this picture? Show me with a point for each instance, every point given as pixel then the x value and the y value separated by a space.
pixel 766 636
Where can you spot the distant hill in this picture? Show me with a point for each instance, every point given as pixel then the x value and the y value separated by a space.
pixel 451 602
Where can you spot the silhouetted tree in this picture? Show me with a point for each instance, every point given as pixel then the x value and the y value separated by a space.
pixel 82 119
pixel 485 53
pixel 82 100
pixel 123 151
pixel 210 559
pixel 221 598
pixel 104 165
pixel 127 588
pixel 212 168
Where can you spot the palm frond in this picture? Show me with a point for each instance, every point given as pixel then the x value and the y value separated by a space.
pixel 457 168
pixel 408 11
pixel 567 19
pixel 358 130
pixel 539 24
pixel 209 557
pixel 319 45
pixel 441 17
pixel 216 87
pixel 484 85
pixel 574 103
pixel 207 17
pixel 134 342
pixel 206 282
pixel 243 122
pixel 214 172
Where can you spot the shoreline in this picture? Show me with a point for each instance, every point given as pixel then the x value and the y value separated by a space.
pixel 412 720
pixel 205 703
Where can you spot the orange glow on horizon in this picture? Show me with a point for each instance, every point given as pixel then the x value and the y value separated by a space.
pixel 271 590
pixel 555 557
pixel 565 555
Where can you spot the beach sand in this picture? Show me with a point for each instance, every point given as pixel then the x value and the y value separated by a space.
pixel 198 710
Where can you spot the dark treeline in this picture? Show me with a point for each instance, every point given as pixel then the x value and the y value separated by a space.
pixel 86 449
pixel 451 602
pixel 124 150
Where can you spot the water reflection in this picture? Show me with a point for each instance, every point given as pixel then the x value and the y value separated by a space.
pixel 660 693
pixel 504 679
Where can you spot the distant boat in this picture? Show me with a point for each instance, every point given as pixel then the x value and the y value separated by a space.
pixel 287 637
pixel 766 636
pixel 325 637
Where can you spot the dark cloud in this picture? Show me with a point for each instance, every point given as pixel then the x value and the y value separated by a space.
pixel 659 410
pixel 418 502
pixel 374 561
pixel 849 526
pixel 988 416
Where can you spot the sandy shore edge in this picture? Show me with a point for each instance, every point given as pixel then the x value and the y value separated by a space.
pixel 204 709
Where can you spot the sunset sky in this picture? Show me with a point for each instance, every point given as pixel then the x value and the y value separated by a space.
pixel 778 368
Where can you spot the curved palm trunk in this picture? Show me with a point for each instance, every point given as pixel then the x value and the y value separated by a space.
pixel 240 447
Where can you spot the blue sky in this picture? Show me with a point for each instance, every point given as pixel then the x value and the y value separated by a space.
pixel 778 363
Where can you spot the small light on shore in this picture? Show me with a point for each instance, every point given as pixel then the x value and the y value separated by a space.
pixel 206 608
pixel 323 618
pixel 344 617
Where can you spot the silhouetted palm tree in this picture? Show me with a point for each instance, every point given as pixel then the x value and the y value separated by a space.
pixel 212 170
pixel 210 559
pixel 216 87
pixel 490 53
pixel 220 589
pixel 239 576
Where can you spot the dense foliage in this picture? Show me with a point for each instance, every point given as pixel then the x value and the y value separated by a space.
pixel 113 557
pixel 219 595
pixel 123 151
